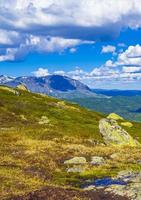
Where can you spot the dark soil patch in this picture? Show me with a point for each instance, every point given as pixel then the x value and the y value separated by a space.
pixel 55 193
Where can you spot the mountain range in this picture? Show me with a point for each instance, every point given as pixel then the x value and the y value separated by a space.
pixel 62 86
pixel 53 85
pixel 117 92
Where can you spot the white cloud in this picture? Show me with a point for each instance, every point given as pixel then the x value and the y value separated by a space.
pixel 73 50
pixel 61 72
pixel 126 68
pixel 9 55
pixel 131 69
pixel 39 44
pixel 110 63
pixel 132 56
pixel 102 77
pixel 41 72
pixel 121 45
pixel 82 13
pixel 108 49
pixel 87 20
pixel 8 37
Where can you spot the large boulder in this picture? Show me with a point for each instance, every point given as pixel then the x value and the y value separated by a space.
pixel 114 134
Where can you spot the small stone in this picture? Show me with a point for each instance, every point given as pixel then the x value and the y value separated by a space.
pixel 76 160
pixel 96 160
pixel 44 120
pixel 76 169
pixel 91 187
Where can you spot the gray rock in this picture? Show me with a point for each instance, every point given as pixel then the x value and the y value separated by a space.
pixel 96 160
pixel 76 161
pixel 76 169
pixel 114 134
pixel 133 187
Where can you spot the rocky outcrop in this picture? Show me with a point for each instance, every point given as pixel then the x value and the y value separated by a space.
pixel 133 187
pixel 44 120
pixel 22 87
pixel 76 165
pixel 114 134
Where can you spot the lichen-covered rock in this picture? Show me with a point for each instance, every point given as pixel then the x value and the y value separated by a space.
pixel 96 160
pixel 114 134
pixel 76 169
pixel 22 87
pixel 127 124
pixel 44 120
pixel 114 116
pixel 76 161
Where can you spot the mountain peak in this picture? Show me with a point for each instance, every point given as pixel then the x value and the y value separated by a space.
pixel 52 85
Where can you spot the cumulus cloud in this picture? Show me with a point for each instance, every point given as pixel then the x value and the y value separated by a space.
pixel 39 44
pixel 131 69
pixel 108 49
pixel 56 15
pixel 41 72
pixel 26 25
pixel 120 71
pixel 132 56
pixel 73 50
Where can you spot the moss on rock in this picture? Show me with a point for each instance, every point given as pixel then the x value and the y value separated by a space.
pixel 114 116
pixel 114 134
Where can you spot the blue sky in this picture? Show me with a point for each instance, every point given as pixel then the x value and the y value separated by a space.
pixel 96 42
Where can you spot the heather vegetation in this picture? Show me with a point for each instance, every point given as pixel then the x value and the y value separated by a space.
pixel 40 134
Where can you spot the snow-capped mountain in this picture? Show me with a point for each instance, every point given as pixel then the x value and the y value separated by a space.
pixel 5 79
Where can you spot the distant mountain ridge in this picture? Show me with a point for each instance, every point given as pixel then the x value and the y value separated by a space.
pixel 117 92
pixel 5 79
pixel 54 85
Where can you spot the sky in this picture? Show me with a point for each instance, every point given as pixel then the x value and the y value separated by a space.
pixel 96 42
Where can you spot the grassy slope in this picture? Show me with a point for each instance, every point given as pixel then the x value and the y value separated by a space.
pixel 32 154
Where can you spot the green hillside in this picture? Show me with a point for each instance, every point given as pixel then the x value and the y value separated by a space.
pixel 126 106
pixel 39 133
